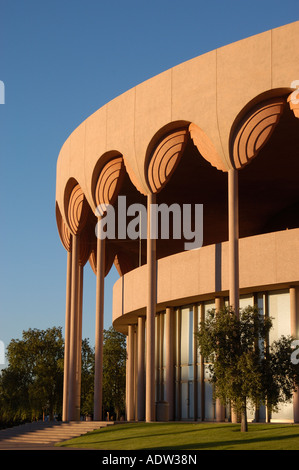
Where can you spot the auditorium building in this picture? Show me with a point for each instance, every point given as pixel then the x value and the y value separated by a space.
pixel 214 140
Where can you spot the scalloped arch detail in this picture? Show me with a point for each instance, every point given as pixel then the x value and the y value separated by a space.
pixel 109 258
pixel 77 210
pixel 293 99
pixel 165 159
pixel 63 230
pixel 254 131
pixel 206 147
pixel 109 183
pixel 84 248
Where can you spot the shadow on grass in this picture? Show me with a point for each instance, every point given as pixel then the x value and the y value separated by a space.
pixel 229 444
pixel 136 433
pixel 101 434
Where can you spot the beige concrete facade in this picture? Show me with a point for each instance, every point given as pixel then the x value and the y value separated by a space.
pixel 221 130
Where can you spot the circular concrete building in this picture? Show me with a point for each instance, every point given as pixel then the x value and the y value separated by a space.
pixel 213 145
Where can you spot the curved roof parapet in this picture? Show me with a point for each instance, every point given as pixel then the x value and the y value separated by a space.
pixel 205 95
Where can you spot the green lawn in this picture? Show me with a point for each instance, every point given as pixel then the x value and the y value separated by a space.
pixel 189 436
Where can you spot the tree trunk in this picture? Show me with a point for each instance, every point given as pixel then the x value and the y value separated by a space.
pixel 244 425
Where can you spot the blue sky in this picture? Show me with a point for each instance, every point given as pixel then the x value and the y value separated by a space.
pixel 60 61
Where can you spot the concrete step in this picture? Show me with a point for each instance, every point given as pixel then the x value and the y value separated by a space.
pixel 42 433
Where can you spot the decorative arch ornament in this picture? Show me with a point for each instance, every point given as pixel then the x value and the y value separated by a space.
pixel 293 98
pixel 254 130
pixel 78 209
pixel 164 159
pixel 108 184
pixel 63 230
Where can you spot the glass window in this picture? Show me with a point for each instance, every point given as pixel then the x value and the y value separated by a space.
pixel 187 335
pixel 279 311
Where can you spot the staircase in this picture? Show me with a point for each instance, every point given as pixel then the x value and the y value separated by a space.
pixel 42 435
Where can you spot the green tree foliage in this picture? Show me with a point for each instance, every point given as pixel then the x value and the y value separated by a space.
pixel 87 378
pixel 31 385
pixel 243 367
pixel 114 372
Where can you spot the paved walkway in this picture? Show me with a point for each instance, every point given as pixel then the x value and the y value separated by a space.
pixel 44 435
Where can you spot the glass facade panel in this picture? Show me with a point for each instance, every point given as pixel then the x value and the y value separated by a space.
pixel 208 306
pixel 209 403
pixel 186 335
pixel 193 391
pixel 246 300
pixel 279 311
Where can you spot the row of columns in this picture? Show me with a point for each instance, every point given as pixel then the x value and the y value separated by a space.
pixel 73 322
pixel 233 266
pixel 71 405
pixel 73 332
pixel 136 366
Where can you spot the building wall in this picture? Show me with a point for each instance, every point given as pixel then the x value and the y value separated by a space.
pixel 213 100
pixel 267 261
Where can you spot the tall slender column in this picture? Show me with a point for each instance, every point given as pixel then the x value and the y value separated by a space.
pixel 140 369
pixel 127 375
pixel 233 229
pixel 169 359
pixel 294 310
pixel 220 410
pixel 72 412
pixel 130 402
pixel 202 369
pixel 150 314
pixel 233 226
pixel 159 357
pixel 99 326
pixel 135 372
pixel 195 355
pixel 179 364
pixel 79 340
pixel 67 337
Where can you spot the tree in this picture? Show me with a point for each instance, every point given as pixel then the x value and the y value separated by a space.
pixel 87 378
pixel 31 385
pixel 114 372
pixel 243 369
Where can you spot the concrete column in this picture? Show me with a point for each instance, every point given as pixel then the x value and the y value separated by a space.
pixel 195 355
pixel 67 337
pixel 127 375
pixel 79 340
pixel 178 362
pixel 99 326
pixel 233 226
pixel 267 346
pixel 220 410
pixel 135 373
pixel 294 310
pixel 233 241
pixel 130 364
pixel 202 368
pixel 72 408
pixel 150 314
pixel 141 369
pixel 159 356
pixel 169 359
